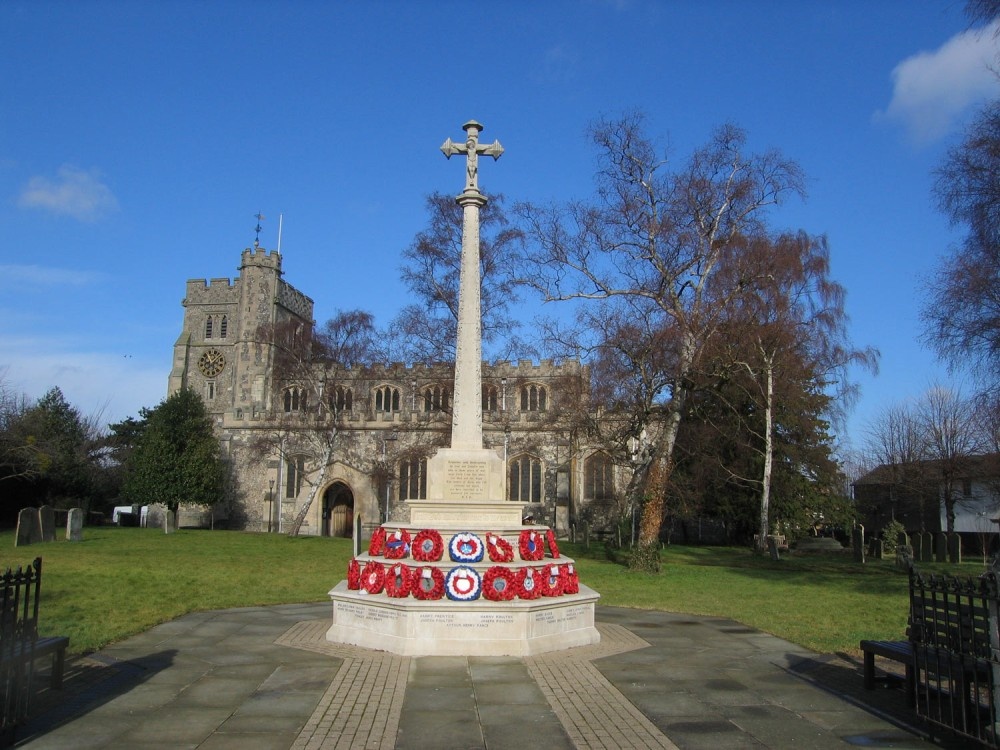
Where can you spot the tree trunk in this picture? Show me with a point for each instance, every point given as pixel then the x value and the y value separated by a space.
pixel 765 491
pixel 300 517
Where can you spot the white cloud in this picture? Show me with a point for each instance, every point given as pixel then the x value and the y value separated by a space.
pixel 96 382
pixel 74 192
pixel 931 89
pixel 41 276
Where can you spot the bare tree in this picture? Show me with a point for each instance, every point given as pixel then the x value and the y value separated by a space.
pixel 314 383
pixel 425 331
pixel 962 311
pixel 653 240
pixel 952 436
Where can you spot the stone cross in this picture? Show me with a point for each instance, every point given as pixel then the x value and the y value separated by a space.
pixel 472 148
pixel 467 407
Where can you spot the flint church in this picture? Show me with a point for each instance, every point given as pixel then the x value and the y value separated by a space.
pixel 295 470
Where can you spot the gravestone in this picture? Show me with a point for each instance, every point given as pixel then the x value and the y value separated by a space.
pixel 27 527
pixel 902 540
pixel 917 545
pixel 47 523
pixel 772 547
pixel 926 547
pixel 169 522
pixel 954 548
pixel 876 550
pixel 941 548
pixel 858 543
pixel 74 525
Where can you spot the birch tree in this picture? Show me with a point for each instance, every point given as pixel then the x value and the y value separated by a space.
pixel 654 236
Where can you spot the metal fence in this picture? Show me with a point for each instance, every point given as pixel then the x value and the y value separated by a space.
pixel 953 631
pixel 18 633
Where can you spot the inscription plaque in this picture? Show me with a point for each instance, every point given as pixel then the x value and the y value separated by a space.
pixel 465 480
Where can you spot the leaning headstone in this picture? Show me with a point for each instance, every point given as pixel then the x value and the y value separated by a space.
pixel 858 543
pixel 772 547
pixel 927 547
pixel 74 525
pixel 941 548
pixel 27 527
pixel 47 523
pixel 954 548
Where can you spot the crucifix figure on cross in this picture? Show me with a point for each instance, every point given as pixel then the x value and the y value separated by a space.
pixel 472 148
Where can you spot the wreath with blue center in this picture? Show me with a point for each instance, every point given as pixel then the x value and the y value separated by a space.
pixel 463 584
pixel 466 547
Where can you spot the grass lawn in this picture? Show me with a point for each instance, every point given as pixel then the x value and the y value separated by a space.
pixel 118 582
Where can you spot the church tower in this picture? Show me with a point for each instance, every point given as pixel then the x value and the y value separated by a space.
pixel 218 354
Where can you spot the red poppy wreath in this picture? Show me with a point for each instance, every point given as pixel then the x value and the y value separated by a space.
pixel 427 583
pixel 550 539
pixel 549 580
pixel 527 584
pixel 529 544
pixel 500 584
pixel 398 581
pixel 397 544
pixel 353 574
pixel 377 544
pixel 499 549
pixel 373 577
pixel 428 546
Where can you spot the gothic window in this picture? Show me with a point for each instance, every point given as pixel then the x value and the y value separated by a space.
pixel 295 399
pixel 525 480
pixel 294 471
pixel 342 399
pixel 208 327
pixel 436 398
pixel 386 398
pixel 413 479
pixel 489 398
pixel 223 327
pixel 533 398
pixel 209 390
pixel 598 477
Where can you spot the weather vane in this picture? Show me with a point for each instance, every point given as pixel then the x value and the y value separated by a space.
pixel 256 240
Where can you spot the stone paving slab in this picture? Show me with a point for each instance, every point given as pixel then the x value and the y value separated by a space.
pixel 265 678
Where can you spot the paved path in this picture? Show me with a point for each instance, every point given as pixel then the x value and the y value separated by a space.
pixel 266 679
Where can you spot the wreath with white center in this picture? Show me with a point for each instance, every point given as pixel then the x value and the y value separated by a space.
pixel 463 584
pixel 466 547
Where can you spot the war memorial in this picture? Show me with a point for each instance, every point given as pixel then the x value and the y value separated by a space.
pixel 464 576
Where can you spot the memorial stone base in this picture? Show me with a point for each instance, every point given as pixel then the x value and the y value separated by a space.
pixel 411 627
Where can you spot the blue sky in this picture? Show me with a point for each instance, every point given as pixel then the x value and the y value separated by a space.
pixel 138 140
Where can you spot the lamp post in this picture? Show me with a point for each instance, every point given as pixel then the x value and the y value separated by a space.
pixel 385 463
pixel 270 503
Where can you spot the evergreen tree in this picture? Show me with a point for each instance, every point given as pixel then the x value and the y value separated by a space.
pixel 176 457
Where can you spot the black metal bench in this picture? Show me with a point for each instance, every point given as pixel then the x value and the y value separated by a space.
pixel 21 646
pixel 898 651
